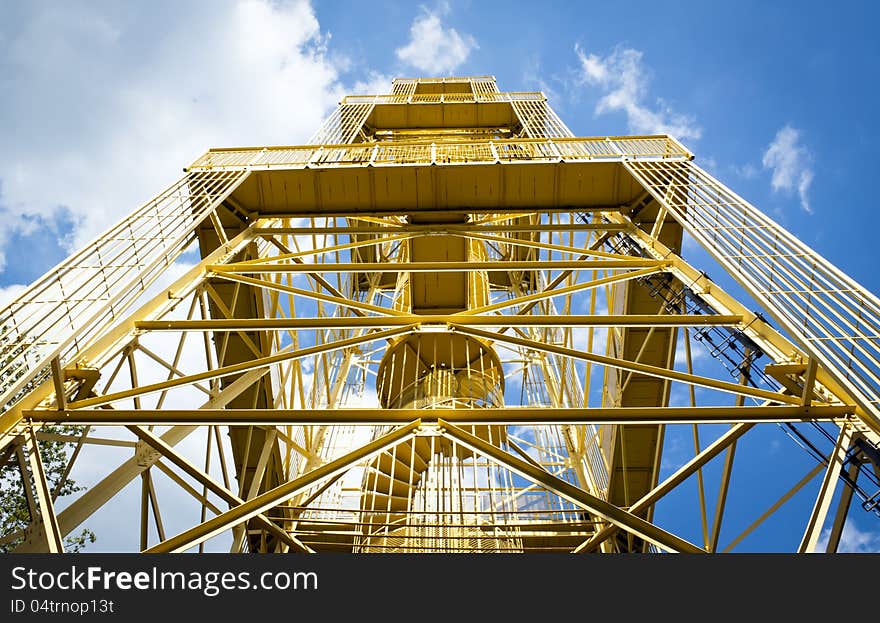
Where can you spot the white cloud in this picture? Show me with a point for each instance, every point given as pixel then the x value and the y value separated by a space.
pixel 689 245
pixel 432 48
pixel 594 69
pixel 698 352
pixel 365 398
pixel 103 105
pixel 747 171
pixel 624 80
pixel 710 164
pixel 376 83
pixel 790 162
pixel 9 292
pixel 533 73
pixel 852 540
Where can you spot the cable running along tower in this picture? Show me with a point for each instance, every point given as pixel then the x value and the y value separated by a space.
pixel 445 324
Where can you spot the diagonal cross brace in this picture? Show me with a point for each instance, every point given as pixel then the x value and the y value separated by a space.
pixel 157 444
pixel 573 494
pixel 682 474
pixel 273 497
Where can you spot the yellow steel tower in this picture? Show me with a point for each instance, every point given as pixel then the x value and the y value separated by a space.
pixel 445 324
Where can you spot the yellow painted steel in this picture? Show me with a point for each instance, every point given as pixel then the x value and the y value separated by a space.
pixel 462 415
pixel 445 324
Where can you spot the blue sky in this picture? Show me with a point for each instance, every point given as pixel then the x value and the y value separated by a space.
pixel 104 102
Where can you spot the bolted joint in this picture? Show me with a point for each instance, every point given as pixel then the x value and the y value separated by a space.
pixel 34 537
pixel 429 430
pixel 145 455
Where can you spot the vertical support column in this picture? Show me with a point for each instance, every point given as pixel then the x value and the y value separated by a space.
pixel 728 463
pixel 145 513
pixel 58 382
pixel 826 491
pixel 44 496
pixel 842 510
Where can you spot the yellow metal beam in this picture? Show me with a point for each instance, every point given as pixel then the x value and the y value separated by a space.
pixel 421 153
pixel 494 415
pixel 495 320
pixel 261 362
pixel 826 491
pixel 47 518
pixel 313 294
pixel 439 228
pixel 273 497
pixel 681 474
pixel 774 507
pixel 550 292
pixel 230 498
pixel 331 249
pixel 573 494
pixel 435 267
pixel 112 340
pixel 547 246
pixel 772 342
pixel 623 364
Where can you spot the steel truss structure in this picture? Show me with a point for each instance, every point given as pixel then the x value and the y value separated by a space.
pixel 444 325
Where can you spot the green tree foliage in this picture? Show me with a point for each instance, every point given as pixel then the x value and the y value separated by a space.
pixel 14 515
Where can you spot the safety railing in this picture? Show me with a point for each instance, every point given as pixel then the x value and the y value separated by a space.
pixel 447 79
pixel 827 313
pixel 510 150
pixel 98 283
pixel 444 98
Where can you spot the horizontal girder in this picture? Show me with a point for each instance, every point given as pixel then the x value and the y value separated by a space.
pixel 508 320
pixel 499 415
